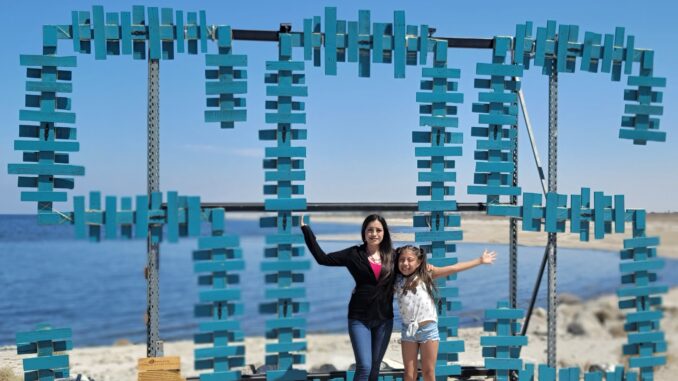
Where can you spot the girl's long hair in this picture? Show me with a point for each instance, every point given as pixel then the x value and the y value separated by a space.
pixel 421 274
pixel 385 284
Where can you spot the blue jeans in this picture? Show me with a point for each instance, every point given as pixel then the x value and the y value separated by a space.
pixel 370 341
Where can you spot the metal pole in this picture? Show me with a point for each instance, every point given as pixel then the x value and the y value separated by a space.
pixel 513 222
pixel 553 187
pixel 153 343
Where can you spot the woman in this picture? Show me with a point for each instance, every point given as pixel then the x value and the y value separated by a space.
pixel 370 311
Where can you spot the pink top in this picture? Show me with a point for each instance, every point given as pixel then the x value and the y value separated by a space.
pixel 376 269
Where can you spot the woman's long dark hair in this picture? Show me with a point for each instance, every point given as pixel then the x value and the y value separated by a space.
pixel 421 274
pixel 385 284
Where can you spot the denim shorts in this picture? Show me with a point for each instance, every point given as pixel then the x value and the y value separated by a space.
pixel 429 332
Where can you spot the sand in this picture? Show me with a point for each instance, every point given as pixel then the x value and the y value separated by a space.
pixel 589 333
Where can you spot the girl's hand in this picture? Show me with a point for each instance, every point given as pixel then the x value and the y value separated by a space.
pixel 488 257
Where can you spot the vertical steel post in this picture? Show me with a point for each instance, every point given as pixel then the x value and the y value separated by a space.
pixel 153 343
pixel 513 222
pixel 553 187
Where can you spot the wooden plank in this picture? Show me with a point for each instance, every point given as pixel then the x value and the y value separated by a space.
pixel 159 363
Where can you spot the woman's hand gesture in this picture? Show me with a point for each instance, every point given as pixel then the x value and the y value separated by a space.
pixel 488 257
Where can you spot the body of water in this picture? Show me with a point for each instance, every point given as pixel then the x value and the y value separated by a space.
pixel 98 289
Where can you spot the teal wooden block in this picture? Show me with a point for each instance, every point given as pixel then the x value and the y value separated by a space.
pixel 450 235
pixel 154 33
pixel 286 118
pixel 504 313
pixel 504 210
pixel 447 370
pixel 47 60
pixel 498 97
pixel 440 72
pixel 52 334
pixel 45 169
pixel 285 323
pixel 643 265
pixel 225 116
pixel 645 337
pixel 546 373
pixel 437 151
pixel 126 32
pixel 141 217
pixel 295 346
pixel 44 196
pixel 640 242
pixel 399 44
pixel 284 239
pixel 219 295
pixel 179 31
pixel 285 204
pixel 642 291
pixel 636 109
pixel 495 166
pixel 437 176
pixel 172 225
pixel 46 116
pixel 499 69
pixel 99 25
pixel 494 190
pixel 330 41
pixel 647 361
pixel 286 91
pixel 216 265
pixel 285 175
pixel 438 121
pixel 285 293
pixel 593 376
pixel 643 316
pixel 286 375
pixel 110 217
pixel 268 266
pixel 57 346
pixel 649 81
pixel 42 145
pixel 221 376
pixel 45 362
pixel 423 44
pixel 503 364
pixel 642 135
pixel 220 351
pixel 451 346
pixel 500 145
pixel 218 242
pixel 503 340
pixel 218 325
pixel 237 60
pixel 435 97
pixel 499 119
pixel 193 216
pixel 448 292
pixel 49 86
pixel 203 32
pixel 433 205
pixel 285 151
pixel 225 87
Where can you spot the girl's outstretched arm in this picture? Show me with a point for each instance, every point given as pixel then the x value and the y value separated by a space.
pixel 487 258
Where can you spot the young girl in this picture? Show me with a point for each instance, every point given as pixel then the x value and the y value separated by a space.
pixel 415 292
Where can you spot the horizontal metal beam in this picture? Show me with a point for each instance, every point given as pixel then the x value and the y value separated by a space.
pixel 342 206
pixel 452 42
pixel 466 372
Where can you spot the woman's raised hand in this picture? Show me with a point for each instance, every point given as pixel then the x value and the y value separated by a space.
pixel 488 257
pixel 301 220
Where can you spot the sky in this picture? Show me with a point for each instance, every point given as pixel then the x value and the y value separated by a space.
pixel 359 145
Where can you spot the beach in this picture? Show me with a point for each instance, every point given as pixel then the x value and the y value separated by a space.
pixel 590 333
